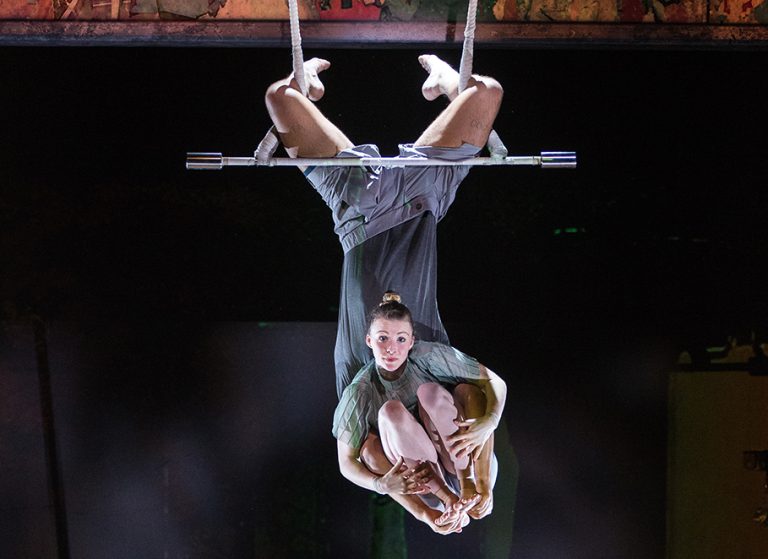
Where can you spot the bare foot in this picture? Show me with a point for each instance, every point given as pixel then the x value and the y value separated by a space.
pixel 315 88
pixel 457 510
pixel 442 80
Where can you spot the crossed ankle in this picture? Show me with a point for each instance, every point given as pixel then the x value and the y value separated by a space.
pixel 446 496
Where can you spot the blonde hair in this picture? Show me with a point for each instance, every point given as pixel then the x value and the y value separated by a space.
pixel 390 308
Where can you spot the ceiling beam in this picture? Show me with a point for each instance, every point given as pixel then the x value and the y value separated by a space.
pixel 338 34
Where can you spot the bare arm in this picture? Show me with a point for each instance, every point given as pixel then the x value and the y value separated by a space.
pixel 495 390
pixel 476 431
pixel 475 436
pixel 354 470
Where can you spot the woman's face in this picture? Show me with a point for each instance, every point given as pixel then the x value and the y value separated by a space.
pixel 390 340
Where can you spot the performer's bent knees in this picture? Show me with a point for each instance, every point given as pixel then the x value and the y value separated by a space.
pixel 438 413
pixel 402 436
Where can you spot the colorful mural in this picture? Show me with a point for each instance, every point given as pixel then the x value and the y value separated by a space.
pixel 659 11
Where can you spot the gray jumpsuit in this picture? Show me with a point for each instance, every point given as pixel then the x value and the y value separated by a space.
pixel 386 220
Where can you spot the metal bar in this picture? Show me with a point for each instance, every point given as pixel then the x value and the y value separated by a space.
pixel 353 34
pixel 547 160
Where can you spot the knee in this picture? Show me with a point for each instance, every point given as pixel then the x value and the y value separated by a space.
pixel 430 395
pixel 273 95
pixel 490 89
pixel 393 412
pixel 276 96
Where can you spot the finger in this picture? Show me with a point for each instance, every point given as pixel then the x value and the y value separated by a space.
pixel 417 479
pixel 423 476
pixel 461 432
pixel 481 511
pixel 476 453
pixel 419 490
pixel 483 508
pixel 486 506
pixel 481 504
pixel 397 466
pixel 456 525
pixel 459 447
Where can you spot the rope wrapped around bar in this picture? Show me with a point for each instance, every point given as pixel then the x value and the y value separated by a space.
pixel 268 145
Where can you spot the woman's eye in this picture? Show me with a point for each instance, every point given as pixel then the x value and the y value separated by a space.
pixel 382 338
pixel 401 340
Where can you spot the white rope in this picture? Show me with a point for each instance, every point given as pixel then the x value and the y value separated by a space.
pixel 268 145
pixel 495 146
pixel 298 56
pixel 467 53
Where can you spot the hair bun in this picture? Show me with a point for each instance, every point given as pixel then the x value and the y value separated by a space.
pixel 390 297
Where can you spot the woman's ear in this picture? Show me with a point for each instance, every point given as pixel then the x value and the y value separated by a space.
pixel 368 341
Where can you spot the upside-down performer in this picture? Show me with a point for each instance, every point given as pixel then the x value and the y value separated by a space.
pixel 417 423
pixel 386 218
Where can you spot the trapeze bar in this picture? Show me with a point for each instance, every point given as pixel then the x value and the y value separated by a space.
pixel 547 160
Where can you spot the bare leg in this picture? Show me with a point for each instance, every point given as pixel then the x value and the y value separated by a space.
pixel 303 129
pixel 439 408
pixel 471 402
pixel 438 411
pixel 401 435
pixel 470 115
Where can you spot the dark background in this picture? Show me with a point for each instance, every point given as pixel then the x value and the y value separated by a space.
pixel 142 270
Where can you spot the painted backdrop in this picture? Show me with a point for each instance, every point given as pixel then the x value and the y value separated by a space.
pixel 711 12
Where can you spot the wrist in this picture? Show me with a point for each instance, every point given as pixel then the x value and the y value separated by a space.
pixel 377 487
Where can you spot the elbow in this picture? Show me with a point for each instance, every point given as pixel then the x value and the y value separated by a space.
pixel 496 379
pixel 499 386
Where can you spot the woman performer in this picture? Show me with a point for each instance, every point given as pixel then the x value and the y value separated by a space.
pixel 382 446
pixel 386 218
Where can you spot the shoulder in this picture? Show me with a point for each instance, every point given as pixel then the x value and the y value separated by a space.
pixel 444 361
pixel 436 350
pixel 423 349
pixel 365 374
pixel 360 384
